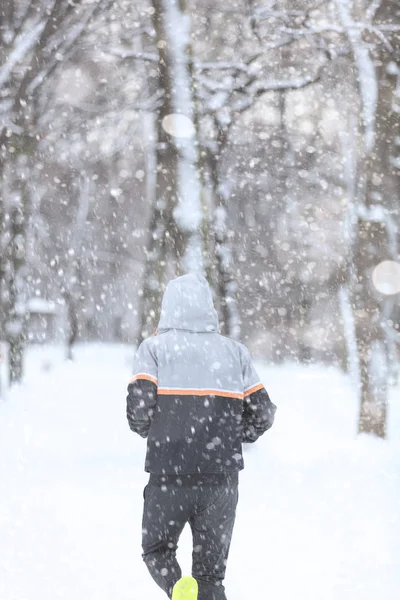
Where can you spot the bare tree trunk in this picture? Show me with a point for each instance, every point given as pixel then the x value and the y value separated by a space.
pixel 174 244
pixel 379 186
pixel 374 245
pixel 177 161
pixel 2 258
pixel 73 323
pixel 58 26
pixel 161 222
pixel 16 313
pixel 226 280
pixel 152 289
pixel 73 280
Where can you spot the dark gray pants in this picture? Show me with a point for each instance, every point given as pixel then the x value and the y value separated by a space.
pixel 210 510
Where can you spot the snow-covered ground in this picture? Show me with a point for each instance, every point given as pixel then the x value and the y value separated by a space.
pixel 319 510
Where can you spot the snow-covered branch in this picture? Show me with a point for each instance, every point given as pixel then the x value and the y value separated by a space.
pixel 274 85
pixel 249 91
pixel 379 34
pixel 126 53
pixel 360 26
pixel 261 13
pixel 372 9
pixel 64 45
pixel 227 65
pixel 269 85
pixel 113 114
pixel 22 46
pixel 312 30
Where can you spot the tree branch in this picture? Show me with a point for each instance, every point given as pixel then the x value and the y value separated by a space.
pixel 127 53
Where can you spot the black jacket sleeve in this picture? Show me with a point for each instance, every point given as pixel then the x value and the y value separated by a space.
pixel 258 415
pixel 258 410
pixel 142 390
pixel 140 403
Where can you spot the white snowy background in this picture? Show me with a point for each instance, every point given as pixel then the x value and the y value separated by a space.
pixel 259 142
pixel 318 515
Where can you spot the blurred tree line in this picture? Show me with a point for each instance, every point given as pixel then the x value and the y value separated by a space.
pixel 254 141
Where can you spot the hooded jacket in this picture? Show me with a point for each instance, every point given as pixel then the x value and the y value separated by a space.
pixel 195 394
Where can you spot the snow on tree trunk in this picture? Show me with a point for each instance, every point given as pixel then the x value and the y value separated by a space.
pixel 178 187
pixel 175 238
pixel 374 246
pixel 374 239
pixel 186 197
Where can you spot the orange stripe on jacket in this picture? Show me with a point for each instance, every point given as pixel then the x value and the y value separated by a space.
pixel 144 376
pixel 188 392
pixel 253 389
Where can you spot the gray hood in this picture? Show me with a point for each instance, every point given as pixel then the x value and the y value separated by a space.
pixel 187 304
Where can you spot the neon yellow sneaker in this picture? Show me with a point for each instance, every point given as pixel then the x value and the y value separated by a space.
pixel 185 589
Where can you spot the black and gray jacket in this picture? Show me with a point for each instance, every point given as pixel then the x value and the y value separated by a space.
pixel 195 394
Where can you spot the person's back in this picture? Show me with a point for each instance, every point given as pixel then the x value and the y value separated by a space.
pixel 196 396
